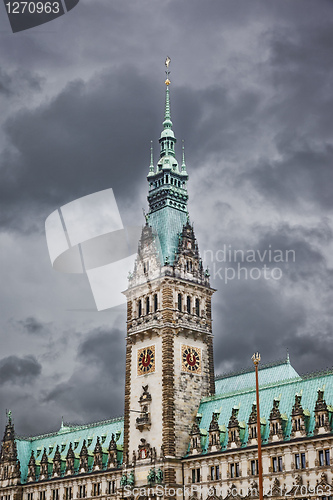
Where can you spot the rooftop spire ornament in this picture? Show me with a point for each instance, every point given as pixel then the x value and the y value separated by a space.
pixel 183 157
pixel 151 166
pixel 256 358
pixel 167 64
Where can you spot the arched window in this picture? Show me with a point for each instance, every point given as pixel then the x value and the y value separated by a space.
pixel 188 304
pixel 197 307
pixel 180 302
pixel 139 308
pixel 147 305
pixel 155 302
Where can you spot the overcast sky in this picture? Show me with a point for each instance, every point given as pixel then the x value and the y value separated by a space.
pixel 81 98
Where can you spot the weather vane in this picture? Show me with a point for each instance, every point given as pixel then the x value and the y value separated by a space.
pixel 167 64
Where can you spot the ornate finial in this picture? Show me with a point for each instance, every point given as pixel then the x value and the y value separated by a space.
pixel 151 166
pixel 183 160
pixel 9 416
pixel 256 358
pixel 288 359
pixel 146 216
pixel 167 63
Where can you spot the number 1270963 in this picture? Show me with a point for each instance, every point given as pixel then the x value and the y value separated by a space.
pixel 33 7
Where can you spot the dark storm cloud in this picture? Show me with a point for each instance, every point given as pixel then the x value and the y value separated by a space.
pixel 303 175
pixel 95 389
pixel 104 349
pixel 299 114
pixel 96 134
pixel 33 326
pixel 250 316
pixel 18 82
pixel 253 104
pixel 19 370
pixel 90 137
pixel 255 315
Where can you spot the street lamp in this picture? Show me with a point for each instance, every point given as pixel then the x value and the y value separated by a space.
pixel 256 358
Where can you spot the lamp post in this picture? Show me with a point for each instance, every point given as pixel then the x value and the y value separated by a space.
pixel 256 359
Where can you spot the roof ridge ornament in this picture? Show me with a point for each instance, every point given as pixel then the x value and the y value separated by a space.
pixel 183 157
pixel 151 166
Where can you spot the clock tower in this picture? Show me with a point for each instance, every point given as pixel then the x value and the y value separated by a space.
pixel 169 353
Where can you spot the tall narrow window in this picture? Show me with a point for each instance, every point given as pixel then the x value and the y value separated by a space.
pixel 254 467
pixel 188 304
pixel 197 307
pixel 155 302
pixel 297 462
pixel 147 305
pixel 179 302
pixel 139 308
pixel 327 457
pixel 55 494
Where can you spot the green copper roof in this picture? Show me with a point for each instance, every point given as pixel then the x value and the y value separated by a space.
pixel 246 379
pixel 275 382
pixel 67 434
pixel 168 223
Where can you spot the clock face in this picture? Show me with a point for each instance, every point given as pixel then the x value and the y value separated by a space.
pixel 191 359
pixel 146 360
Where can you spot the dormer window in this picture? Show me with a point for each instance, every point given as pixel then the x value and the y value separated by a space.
pixel 297 424
pixel 321 420
pixel 253 432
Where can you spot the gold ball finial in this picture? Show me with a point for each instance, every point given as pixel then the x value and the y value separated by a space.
pixel 167 81
pixel 256 358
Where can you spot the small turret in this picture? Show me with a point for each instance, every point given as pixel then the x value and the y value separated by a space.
pixel 9 463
